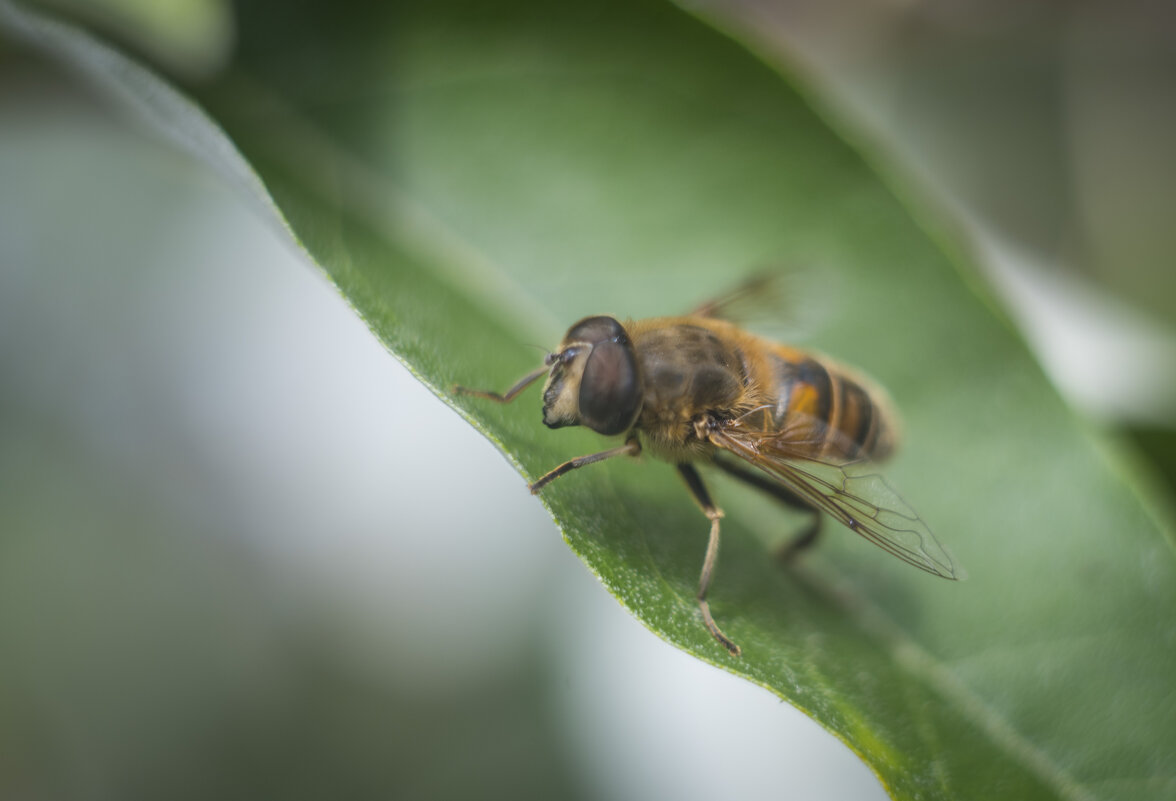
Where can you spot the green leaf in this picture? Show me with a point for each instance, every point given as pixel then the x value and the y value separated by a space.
pixel 474 179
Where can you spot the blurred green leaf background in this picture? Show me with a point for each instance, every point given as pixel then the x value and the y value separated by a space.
pixel 231 565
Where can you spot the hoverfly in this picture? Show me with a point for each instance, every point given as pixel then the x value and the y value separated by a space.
pixel 700 389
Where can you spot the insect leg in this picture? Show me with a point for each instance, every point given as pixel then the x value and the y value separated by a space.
pixel 808 535
pixel 802 541
pixel 714 514
pixel 510 394
pixel 630 448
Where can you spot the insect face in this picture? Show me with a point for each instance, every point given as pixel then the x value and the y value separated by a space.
pixel 594 379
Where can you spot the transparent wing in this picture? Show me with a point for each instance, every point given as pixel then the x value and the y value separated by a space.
pixel 759 291
pixel 785 302
pixel 853 492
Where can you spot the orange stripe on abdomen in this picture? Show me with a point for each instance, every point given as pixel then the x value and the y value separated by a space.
pixel 825 413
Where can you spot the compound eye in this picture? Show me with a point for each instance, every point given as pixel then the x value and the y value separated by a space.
pixel 596 329
pixel 610 392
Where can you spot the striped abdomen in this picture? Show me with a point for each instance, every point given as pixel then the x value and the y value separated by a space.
pixel 824 411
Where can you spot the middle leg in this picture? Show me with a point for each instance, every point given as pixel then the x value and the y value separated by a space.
pixel 799 542
pixel 698 490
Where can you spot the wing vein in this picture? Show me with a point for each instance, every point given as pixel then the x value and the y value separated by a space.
pixel 850 491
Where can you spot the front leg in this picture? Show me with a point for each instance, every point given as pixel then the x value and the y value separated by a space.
pixel 631 448
pixel 506 397
pixel 714 514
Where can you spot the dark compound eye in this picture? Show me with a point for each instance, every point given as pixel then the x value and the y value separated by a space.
pixel 610 393
pixel 596 329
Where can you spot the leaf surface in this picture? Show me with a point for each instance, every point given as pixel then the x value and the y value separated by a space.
pixel 473 179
